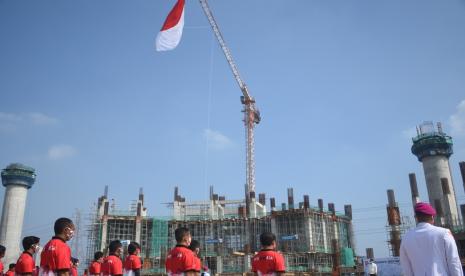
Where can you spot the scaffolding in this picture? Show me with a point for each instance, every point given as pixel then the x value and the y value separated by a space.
pixel 312 239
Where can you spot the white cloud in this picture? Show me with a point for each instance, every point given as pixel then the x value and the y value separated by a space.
pixel 410 133
pixel 216 139
pixel 9 117
pixel 11 121
pixel 59 152
pixel 41 119
pixel 457 120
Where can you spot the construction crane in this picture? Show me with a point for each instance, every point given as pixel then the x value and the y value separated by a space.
pixel 251 112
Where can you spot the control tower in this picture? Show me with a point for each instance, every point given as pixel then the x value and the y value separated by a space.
pixel 433 148
pixel 17 179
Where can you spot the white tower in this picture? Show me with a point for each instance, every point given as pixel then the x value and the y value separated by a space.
pixel 17 179
pixel 433 148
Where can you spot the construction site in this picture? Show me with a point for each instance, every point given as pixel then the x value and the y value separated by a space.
pixel 312 239
pixel 433 148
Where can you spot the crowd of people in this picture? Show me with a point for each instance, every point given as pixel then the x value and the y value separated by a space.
pixel 184 259
pixel 425 250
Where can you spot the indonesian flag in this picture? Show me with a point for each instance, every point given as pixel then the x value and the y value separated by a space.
pixel 170 34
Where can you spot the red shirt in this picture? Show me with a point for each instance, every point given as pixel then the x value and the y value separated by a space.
pixel 94 268
pixel 180 259
pixel 198 264
pixel 25 264
pixel 132 262
pixel 266 262
pixel 73 271
pixel 10 273
pixel 1 268
pixel 56 255
pixel 112 265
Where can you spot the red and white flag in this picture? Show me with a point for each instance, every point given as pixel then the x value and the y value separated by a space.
pixel 170 34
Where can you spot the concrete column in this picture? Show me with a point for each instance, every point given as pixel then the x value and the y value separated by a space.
pixel 435 168
pixel 414 189
pixel 323 229
pixel 103 241
pixel 308 230
pixel 14 204
pixel 138 229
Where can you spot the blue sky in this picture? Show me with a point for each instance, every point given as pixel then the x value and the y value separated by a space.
pixel 88 102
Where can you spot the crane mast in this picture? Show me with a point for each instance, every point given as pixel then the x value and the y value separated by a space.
pixel 251 113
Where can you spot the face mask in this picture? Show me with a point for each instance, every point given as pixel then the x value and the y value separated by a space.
pixel 70 234
pixel 37 248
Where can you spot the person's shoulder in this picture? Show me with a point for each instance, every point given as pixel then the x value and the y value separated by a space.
pixel 440 230
pixel 278 254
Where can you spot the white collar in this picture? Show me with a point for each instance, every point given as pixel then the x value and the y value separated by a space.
pixel 423 224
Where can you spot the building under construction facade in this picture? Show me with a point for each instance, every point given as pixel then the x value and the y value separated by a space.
pixel 312 239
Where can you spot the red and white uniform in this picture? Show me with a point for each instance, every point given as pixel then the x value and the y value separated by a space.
pixel 179 260
pixel 25 264
pixel 112 265
pixel 95 268
pixel 267 262
pixel 1 268
pixel 132 262
pixel 10 273
pixel 56 256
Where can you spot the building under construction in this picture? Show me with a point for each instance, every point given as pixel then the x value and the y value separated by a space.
pixel 312 239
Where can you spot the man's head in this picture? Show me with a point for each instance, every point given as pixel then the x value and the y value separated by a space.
pixel 64 228
pixel 371 260
pixel 268 240
pixel 31 242
pixel 115 248
pixel 11 267
pixel 183 236
pixel 98 256
pixel 133 248
pixel 2 251
pixel 424 212
pixel 195 246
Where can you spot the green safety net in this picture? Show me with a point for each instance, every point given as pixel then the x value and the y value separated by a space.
pixel 159 237
pixel 347 257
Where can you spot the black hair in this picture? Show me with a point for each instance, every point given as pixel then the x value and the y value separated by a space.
pixel 180 233
pixel 267 238
pixel 114 245
pixel 423 217
pixel 98 255
pixel 61 224
pixel 29 241
pixel 74 260
pixel 2 250
pixel 371 259
pixel 132 247
pixel 12 265
pixel 194 245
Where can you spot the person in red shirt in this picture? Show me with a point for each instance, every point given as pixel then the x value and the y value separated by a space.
pixel 56 255
pixel 74 267
pixel 112 265
pixel 181 260
pixel 95 266
pixel 268 261
pixel 195 248
pixel 132 264
pixel 25 265
pixel 11 270
pixel 2 254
